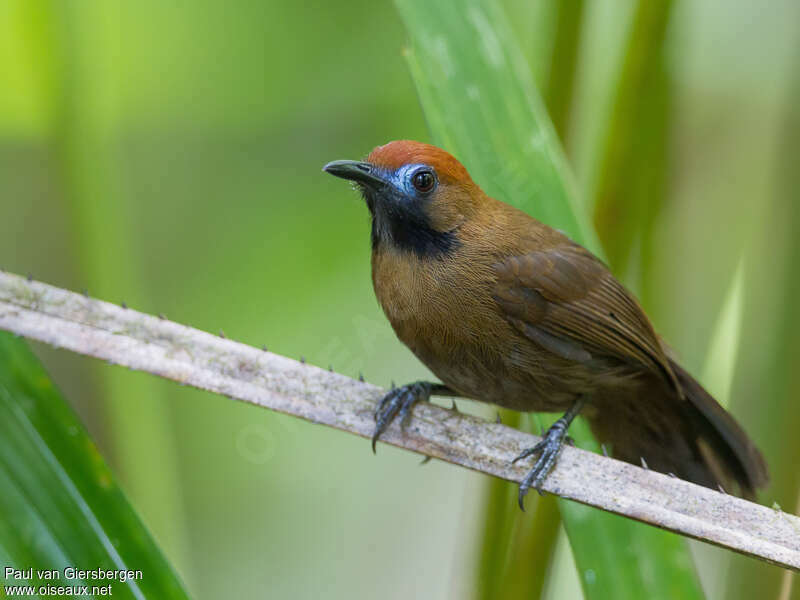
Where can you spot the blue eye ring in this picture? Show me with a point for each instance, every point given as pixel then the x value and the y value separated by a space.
pixel 424 180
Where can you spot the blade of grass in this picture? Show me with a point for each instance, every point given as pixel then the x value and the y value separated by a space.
pixel 498 527
pixel 534 25
pixel 60 505
pixel 531 557
pixel 559 90
pixel 480 103
pixel 720 367
pixel 515 548
pixel 631 183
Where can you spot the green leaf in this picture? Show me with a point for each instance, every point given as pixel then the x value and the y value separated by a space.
pixel 559 89
pixel 633 161
pixel 720 366
pixel 516 548
pixel 481 104
pixel 60 506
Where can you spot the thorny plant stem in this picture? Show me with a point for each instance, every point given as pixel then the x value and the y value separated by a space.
pixel 155 345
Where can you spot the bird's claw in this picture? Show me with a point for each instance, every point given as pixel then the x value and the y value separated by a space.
pixel 548 450
pixel 398 403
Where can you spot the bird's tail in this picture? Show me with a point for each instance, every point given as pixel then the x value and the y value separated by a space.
pixel 692 437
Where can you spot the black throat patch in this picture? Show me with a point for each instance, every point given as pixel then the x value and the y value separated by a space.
pixel 412 236
pixel 407 229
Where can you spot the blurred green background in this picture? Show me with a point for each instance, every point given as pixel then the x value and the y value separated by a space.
pixel 169 155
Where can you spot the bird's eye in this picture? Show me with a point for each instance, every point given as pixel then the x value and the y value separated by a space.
pixel 423 180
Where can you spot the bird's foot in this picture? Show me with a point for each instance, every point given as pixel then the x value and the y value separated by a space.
pixel 548 450
pixel 398 403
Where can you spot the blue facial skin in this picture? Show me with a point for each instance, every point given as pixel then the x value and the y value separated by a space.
pixel 400 217
pixel 403 179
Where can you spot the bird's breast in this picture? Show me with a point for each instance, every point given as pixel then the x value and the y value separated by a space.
pixel 444 312
pixel 426 299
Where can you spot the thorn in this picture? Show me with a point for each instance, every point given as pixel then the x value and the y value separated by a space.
pixel 303 359
pixel 162 316
pixel 604 449
pixel 221 333
pixel 644 463
pixel 721 489
pixel 455 406
pixel 29 277
pixel 425 461
pixel 123 305
pixel 671 474
pixel 498 419
pixel 361 377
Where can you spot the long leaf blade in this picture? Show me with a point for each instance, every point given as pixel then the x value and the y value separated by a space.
pixel 59 505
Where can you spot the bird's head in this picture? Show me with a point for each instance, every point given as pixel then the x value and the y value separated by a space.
pixel 418 196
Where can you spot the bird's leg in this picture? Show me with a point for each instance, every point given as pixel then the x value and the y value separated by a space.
pixel 548 450
pixel 400 401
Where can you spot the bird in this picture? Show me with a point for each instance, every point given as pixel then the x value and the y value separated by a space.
pixel 506 310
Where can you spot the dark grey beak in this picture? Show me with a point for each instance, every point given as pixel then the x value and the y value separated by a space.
pixel 360 172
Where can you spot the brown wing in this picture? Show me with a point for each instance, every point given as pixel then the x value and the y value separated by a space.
pixel 567 301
